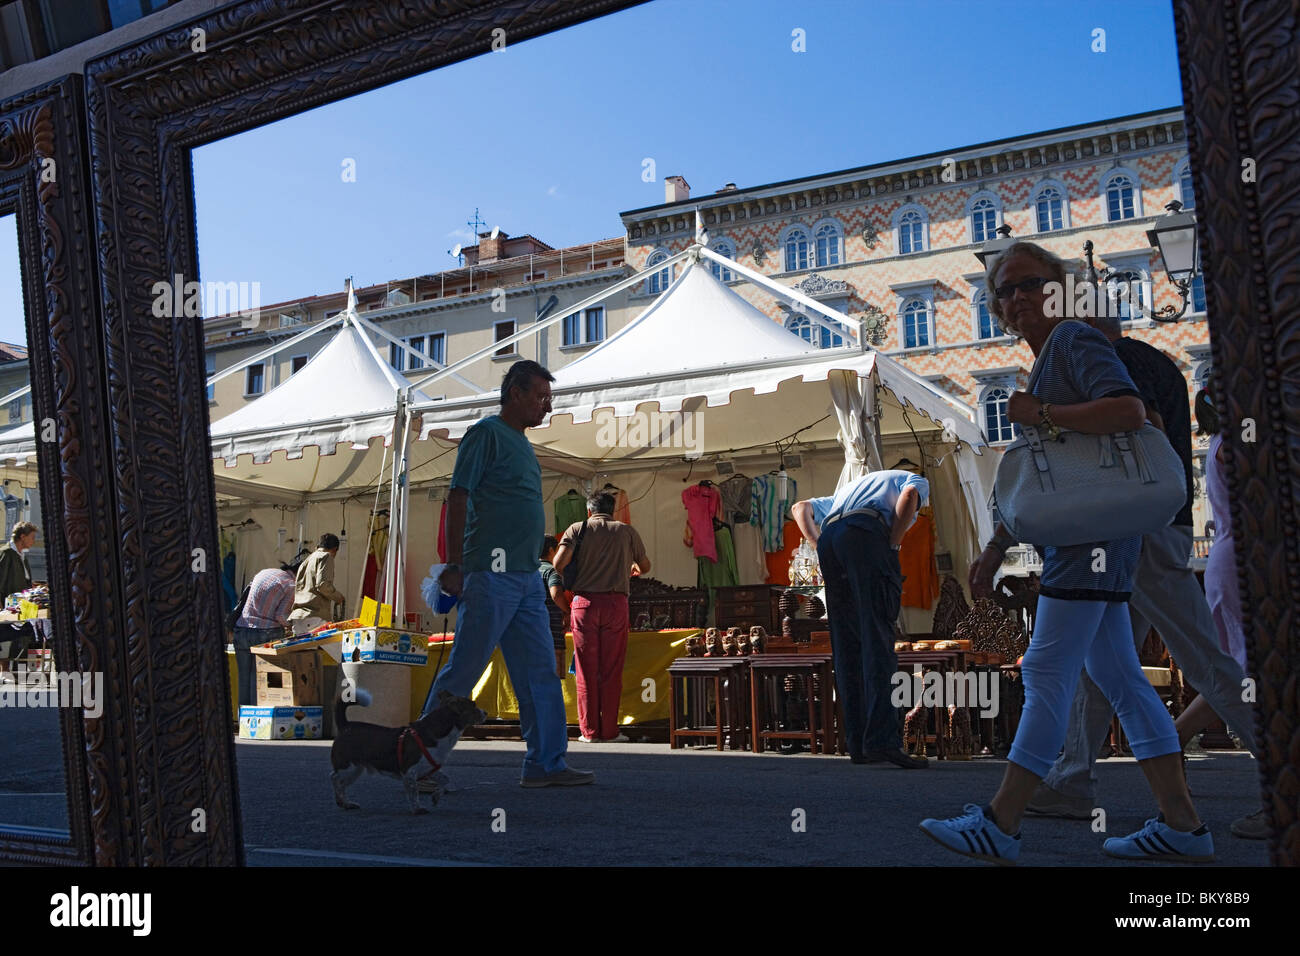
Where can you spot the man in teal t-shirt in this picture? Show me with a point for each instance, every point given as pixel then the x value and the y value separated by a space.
pixel 495 526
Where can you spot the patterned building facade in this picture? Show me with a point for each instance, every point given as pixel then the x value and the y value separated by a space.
pixel 901 238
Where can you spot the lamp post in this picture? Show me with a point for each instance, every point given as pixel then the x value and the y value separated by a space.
pixel 995 247
pixel 1174 239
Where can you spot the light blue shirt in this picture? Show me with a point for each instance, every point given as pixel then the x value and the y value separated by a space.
pixel 879 491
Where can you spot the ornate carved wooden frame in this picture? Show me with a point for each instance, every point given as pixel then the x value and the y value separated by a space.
pixel 164 749
pixel 43 180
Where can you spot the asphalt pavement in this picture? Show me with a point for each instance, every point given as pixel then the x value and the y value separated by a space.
pixel 652 806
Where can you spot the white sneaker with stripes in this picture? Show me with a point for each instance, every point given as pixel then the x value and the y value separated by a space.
pixel 975 835
pixel 1158 841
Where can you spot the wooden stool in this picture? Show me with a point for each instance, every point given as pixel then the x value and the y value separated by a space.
pixel 812 668
pixel 688 683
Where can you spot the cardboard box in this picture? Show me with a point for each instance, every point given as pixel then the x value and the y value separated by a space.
pixel 385 645
pixel 281 723
pixel 288 679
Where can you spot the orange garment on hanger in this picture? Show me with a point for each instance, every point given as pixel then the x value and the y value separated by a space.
pixel 916 557
pixel 778 562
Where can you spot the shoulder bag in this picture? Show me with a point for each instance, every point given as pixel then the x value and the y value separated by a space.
pixel 236 612
pixel 1081 488
pixel 570 573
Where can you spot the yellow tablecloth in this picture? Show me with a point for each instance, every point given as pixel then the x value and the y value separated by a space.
pixel 648 655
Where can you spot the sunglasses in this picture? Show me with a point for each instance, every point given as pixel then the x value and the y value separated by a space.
pixel 1032 284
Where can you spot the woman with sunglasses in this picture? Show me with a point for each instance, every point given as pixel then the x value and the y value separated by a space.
pixel 1082 618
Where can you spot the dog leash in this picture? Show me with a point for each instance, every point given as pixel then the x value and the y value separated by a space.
pixel 409 731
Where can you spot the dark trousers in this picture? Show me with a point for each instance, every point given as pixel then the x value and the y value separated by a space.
pixel 864 587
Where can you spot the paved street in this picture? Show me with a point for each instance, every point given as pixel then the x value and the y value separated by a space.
pixel 653 806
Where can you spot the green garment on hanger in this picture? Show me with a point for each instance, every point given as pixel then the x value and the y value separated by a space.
pixel 570 508
pixel 721 573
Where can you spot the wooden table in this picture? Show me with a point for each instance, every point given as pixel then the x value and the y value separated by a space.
pixel 821 719
pixel 729 677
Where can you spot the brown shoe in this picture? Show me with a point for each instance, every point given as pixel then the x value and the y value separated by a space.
pixel 897 758
pixel 1252 827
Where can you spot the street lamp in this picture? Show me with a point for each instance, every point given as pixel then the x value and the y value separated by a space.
pixel 995 247
pixel 1174 239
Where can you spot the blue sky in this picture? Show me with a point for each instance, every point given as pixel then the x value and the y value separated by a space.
pixel 549 136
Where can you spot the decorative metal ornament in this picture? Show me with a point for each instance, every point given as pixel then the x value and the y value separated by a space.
pixel 874 324
pixel 870 236
pixel 760 254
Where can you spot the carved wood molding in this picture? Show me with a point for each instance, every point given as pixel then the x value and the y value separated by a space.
pixel 1240 86
pixel 42 178
pixel 150 103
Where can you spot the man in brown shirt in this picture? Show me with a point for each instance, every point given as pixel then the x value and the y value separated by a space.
pixel 598 614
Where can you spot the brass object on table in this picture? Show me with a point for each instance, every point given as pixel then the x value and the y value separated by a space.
pixel 757 639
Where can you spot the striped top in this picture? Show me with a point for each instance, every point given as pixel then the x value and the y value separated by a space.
pixel 270 598
pixel 769 509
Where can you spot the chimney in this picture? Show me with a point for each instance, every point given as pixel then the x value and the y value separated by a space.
pixel 676 189
pixel 490 247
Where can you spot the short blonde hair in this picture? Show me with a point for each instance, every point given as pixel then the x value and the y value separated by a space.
pixel 1019 248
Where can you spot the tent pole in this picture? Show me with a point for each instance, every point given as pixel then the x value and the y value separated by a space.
pixel 361 583
pixel 274 349
pixel 393 525
pixel 791 295
pixel 547 323
pixel 399 607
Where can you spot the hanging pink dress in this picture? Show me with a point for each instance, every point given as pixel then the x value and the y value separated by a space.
pixel 702 503
pixel 1221 568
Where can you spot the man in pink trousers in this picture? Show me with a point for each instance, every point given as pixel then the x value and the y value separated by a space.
pixel 605 551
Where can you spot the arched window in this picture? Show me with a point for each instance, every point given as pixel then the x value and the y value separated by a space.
pixel 985 324
pixel 796 250
pixel 911 232
pixel 916 324
pixel 983 220
pixel 1186 190
pixel 660 280
pixel 997 424
pixel 828 244
pixel 722 248
pixel 1128 299
pixel 1050 206
pixel 1122 200
pixel 814 334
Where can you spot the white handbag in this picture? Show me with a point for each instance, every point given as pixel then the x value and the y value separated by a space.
pixel 1087 488
pixel 1084 489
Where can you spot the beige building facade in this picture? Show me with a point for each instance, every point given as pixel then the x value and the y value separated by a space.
pixel 896 243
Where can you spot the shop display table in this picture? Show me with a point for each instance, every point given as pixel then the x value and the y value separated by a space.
pixel 765 671
pixel 688 714
pixel 645 678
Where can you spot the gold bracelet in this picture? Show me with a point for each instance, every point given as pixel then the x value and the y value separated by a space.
pixel 1045 416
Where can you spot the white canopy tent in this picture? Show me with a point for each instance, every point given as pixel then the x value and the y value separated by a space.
pixel 704 373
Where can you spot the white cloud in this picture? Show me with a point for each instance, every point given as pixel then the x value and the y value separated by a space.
pixel 553 191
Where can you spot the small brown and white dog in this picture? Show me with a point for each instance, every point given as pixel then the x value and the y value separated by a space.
pixel 397 751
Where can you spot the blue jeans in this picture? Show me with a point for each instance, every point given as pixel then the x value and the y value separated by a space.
pixel 1070 635
pixel 246 637
pixel 509 608
pixel 864 589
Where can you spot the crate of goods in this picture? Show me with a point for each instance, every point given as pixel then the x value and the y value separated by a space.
pixel 294 678
pixel 389 645
pixel 281 723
